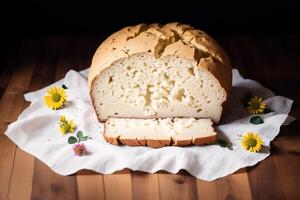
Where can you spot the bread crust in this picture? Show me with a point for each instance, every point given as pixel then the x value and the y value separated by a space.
pixel 177 39
pixel 155 39
pixel 154 143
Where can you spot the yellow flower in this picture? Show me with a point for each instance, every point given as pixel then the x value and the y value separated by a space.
pixel 55 98
pixel 66 126
pixel 256 105
pixel 252 142
pixel 62 118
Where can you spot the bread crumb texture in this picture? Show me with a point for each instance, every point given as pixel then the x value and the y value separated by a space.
pixel 159 132
pixel 147 71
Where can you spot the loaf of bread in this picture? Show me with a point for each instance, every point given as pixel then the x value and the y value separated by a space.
pixel 155 71
pixel 159 132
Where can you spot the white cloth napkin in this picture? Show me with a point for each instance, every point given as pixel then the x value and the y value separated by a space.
pixel 37 132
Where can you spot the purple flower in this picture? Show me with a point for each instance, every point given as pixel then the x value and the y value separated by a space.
pixel 79 149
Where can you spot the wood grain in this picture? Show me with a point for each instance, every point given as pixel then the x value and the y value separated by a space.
pixel 207 190
pixel 251 55
pixel 287 152
pixel 118 186
pixel 287 161
pixel 230 187
pixel 235 186
pixel 54 185
pixel 182 183
pixel 6 165
pixel 47 184
pixel 22 175
pixel 34 63
pixel 11 106
pixel 90 186
pixel 145 186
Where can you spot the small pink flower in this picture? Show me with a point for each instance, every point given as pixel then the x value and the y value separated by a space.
pixel 79 149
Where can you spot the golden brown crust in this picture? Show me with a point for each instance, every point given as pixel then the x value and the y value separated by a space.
pixel 154 39
pixel 182 143
pixel 177 39
pixel 158 143
pixel 111 140
pixel 205 140
pixel 161 143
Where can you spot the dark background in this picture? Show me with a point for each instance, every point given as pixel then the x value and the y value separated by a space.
pixel 32 20
pixel 26 18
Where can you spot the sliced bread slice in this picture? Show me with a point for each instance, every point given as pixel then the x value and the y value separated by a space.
pixel 159 132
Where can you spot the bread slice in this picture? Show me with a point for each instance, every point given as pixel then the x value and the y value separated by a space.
pixel 159 132
pixel 153 71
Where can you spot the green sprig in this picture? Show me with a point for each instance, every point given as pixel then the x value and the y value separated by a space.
pixel 64 86
pixel 257 119
pixel 72 140
pixel 79 138
pixel 223 143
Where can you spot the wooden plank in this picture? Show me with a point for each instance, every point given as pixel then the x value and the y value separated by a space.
pixel 8 62
pixel 5 76
pixel 118 185
pixel 11 105
pixel 6 164
pixel 178 186
pixel 287 160
pixel 256 68
pixel 68 54
pixel 12 101
pixel 264 181
pixel 22 175
pixel 53 186
pixel 144 186
pixel 90 185
pixel 49 185
pixel 287 157
pixel 207 190
pixel 234 186
pixel 285 148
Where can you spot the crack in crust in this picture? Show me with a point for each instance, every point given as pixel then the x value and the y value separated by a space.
pixel 156 39
pixel 162 40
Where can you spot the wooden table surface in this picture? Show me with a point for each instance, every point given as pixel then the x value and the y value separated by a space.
pixel 32 63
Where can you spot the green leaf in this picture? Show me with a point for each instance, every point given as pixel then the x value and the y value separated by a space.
pixel 79 134
pixel 84 138
pixel 256 120
pixel 64 86
pixel 72 140
pixel 225 144
pixel 222 143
